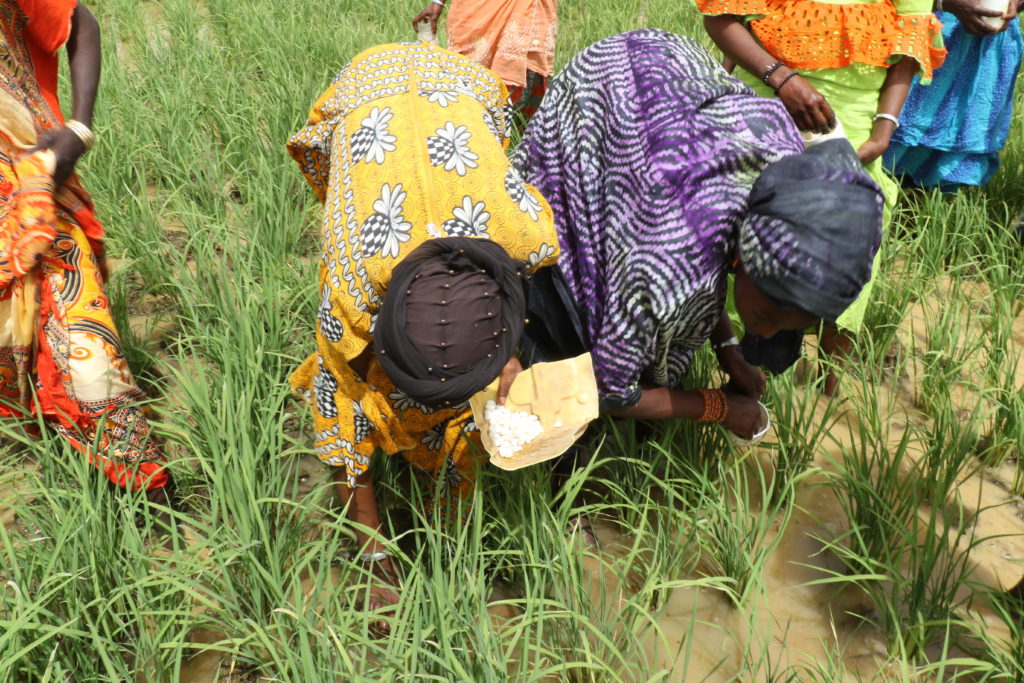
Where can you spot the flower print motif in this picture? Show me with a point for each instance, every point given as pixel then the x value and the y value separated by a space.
pixel 362 424
pixel 434 231
pixel 441 98
pixel 450 478
pixel 434 438
pixel 373 139
pixel 449 147
pixel 470 219
pixel 403 402
pixel 516 189
pixel 386 228
pixel 330 327
pixel 324 389
pixel 543 253
pixel 470 426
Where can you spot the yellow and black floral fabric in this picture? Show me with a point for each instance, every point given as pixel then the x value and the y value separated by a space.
pixel 406 145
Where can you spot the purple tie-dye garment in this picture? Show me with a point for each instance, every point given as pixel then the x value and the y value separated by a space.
pixel 647 150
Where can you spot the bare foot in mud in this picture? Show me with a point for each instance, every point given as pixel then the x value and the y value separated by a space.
pixel 383 595
pixel 581 526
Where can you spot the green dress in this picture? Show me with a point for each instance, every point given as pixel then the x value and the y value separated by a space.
pixel 851 81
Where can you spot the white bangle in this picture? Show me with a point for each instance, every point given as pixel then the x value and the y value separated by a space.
pixel 437 2
pixel 82 132
pixel 887 117
pixel 731 341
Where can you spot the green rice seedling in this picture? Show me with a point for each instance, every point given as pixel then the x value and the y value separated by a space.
pixel 210 221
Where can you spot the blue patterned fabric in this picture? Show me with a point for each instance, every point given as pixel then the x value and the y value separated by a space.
pixel 952 131
pixel 647 150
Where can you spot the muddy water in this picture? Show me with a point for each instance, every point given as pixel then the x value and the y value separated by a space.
pixel 705 637
pixel 802 624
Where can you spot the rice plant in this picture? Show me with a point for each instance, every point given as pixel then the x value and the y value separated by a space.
pixel 850 545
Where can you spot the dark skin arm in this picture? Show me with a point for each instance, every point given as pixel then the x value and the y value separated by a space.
pixel 745 378
pixel 969 13
pixel 809 109
pixel 660 403
pixel 890 101
pixel 432 13
pixel 83 48
pixel 361 508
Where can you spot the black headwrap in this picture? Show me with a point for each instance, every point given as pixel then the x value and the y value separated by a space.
pixel 813 225
pixel 451 319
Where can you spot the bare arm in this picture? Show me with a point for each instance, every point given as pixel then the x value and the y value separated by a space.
pixel 746 379
pixel 431 12
pixel 809 109
pixel 890 101
pixel 83 48
pixel 84 58
pixel 661 403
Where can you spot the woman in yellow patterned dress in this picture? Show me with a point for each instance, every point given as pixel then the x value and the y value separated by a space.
pixel 405 147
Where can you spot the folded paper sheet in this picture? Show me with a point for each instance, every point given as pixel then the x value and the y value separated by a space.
pixel 562 394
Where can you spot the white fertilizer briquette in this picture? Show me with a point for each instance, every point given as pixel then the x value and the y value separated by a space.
pixel 509 430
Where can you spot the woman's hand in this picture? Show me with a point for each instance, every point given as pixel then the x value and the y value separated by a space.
pixel 744 416
pixel 970 14
pixel 508 375
pixel 66 148
pixel 871 150
pixel 431 12
pixel 808 107
pixel 747 379
pixel 383 595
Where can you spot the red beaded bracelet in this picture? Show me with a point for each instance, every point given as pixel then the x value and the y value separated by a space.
pixel 716 405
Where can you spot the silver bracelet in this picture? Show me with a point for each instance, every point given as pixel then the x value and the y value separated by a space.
pixel 82 132
pixel 887 117
pixel 379 556
pixel 731 341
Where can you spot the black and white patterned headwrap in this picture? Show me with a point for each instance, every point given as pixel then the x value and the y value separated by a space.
pixel 813 225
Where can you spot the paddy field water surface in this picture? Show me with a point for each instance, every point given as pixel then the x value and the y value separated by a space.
pixel 869 538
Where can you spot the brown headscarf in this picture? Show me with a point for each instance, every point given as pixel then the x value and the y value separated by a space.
pixel 451 319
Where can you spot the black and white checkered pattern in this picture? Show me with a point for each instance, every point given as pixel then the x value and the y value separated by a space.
pixel 330 327
pixel 362 424
pixel 440 150
pixel 324 388
pixel 362 141
pixel 375 232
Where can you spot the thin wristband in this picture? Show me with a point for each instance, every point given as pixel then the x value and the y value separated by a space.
pixel 438 2
pixel 785 81
pixel 770 70
pixel 887 117
pixel 731 341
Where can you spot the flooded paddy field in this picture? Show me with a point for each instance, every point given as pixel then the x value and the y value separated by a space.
pixel 874 537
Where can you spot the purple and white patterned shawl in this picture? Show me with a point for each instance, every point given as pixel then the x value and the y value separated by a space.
pixel 647 150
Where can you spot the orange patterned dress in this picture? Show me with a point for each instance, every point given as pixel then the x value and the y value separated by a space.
pixel 513 38
pixel 60 355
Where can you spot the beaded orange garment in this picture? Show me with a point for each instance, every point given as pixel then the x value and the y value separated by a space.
pixel 806 34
